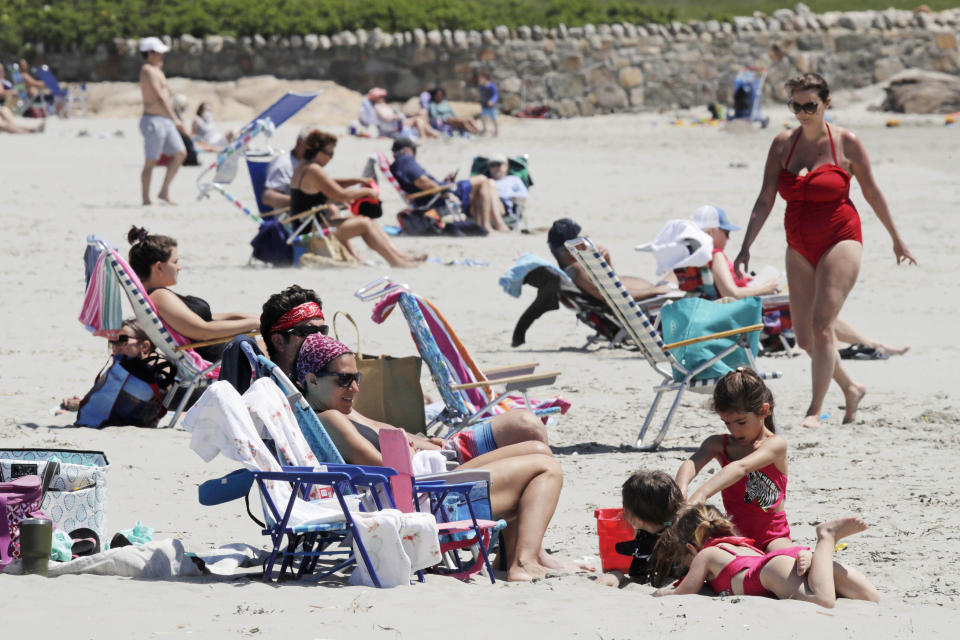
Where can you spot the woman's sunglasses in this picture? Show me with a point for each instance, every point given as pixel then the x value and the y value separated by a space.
pixel 343 379
pixel 304 330
pixel 806 107
pixel 122 339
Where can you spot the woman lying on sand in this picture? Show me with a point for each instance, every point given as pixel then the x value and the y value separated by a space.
pixel 525 478
pixel 156 261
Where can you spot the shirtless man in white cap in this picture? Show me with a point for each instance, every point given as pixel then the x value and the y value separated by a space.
pixel 160 125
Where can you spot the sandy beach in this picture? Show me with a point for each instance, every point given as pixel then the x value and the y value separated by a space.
pixel 621 177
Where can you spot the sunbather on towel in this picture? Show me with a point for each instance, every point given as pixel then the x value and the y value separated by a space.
pixel 566 229
pixel 479 192
pixel 295 313
pixel 525 478
pixel 156 261
pixel 714 222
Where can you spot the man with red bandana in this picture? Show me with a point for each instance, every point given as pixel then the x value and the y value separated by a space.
pixel 293 314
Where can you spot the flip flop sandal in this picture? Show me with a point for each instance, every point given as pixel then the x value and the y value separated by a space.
pixel 861 352
pixel 86 542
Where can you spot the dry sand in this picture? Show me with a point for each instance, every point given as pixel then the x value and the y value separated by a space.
pixel 621 177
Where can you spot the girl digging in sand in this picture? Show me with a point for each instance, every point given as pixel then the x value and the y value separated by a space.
pixel 651 500
pixel 704 540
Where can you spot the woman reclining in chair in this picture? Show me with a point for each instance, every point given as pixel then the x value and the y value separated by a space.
pixel 310 187
pixel 156 261
pixel 525 478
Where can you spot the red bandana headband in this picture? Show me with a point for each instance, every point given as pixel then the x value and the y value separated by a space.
pixel 300 313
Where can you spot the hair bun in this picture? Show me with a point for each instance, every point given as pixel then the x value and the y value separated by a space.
pixel 136 235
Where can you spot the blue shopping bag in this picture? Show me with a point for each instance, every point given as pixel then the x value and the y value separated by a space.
pixel 694 317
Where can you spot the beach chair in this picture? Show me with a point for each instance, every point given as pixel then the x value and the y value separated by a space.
pixel 382 163
pixel 309 510
pixel 678 376
pixel 516 166
pixel 682 247
pixel 467 391
pixel 62 96
pixel 748 96
pixel 192 371
pixel 459 492
pixel 224 169
pixel 305 231
pixel 454 535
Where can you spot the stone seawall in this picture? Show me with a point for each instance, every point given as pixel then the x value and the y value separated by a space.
pixel 574 71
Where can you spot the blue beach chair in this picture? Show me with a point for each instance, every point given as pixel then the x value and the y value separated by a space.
pixel 61 95
pixel 748 96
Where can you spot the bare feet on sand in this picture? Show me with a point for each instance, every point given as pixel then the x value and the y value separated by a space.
pixel 558 563
pixel 164 198
pixel 811 421
pixel 891 351
pixel 525 572
pixel 840 528
pixel 854 394
pixel 804 558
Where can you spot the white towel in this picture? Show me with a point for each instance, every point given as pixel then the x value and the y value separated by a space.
pixel 681 244
pixel 397 543
pixel 427 462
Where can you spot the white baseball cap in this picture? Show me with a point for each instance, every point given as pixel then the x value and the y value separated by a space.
pixel 710 217
pixel 153 44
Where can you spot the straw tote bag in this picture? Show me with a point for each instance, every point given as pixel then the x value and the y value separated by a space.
pixel 390 391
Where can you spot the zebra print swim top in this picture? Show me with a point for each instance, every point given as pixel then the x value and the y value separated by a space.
pixel 753 502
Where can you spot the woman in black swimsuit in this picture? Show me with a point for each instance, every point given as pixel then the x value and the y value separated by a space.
pixel 156 261
pixel 311 186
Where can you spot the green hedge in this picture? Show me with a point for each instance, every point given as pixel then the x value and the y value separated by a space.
pixel 68 23
pixel 61 24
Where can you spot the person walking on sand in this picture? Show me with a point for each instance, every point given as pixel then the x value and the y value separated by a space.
pixel 811 168
pixel 160 125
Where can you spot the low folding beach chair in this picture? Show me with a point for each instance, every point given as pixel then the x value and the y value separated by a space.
pixel 516 166
pixel 677 376
pixel 192 370
pixel 748 96
pixel 308 509
pixel 224 169
pixel 382 163
pixel 62 95
pixel 467 391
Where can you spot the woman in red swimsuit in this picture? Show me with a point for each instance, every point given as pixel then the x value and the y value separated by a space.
pixel 810 167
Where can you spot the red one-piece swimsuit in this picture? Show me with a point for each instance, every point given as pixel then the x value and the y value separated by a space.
pixel 819 212
pixel 752 503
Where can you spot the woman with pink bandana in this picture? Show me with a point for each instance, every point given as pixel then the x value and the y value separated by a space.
pixel 525 478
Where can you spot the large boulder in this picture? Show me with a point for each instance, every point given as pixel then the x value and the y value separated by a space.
pixel 917 91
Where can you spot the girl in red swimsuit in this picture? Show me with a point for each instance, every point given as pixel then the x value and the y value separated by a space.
pixel 703 540
pixel 810 167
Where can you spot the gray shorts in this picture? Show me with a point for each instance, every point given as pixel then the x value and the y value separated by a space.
pixel 160 136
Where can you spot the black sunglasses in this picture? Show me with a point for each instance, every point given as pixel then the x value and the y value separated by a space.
pixel 122 339
pixel 304 330
pixel 808 107
pixel 343 379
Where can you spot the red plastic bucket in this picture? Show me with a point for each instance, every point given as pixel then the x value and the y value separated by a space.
pixel 611 529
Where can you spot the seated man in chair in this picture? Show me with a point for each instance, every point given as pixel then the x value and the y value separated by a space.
pixel 566 229
pixel 293 314
pixel 478 194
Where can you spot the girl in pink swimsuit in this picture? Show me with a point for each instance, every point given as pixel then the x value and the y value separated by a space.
pixel 703 540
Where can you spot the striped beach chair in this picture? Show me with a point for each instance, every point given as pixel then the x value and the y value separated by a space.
pixel 192 370
pixel 677 377
pixel 468 393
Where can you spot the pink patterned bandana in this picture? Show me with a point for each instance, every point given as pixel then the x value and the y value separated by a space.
pixel 316 352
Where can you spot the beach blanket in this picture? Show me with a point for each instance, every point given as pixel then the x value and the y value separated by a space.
pixel 158 560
